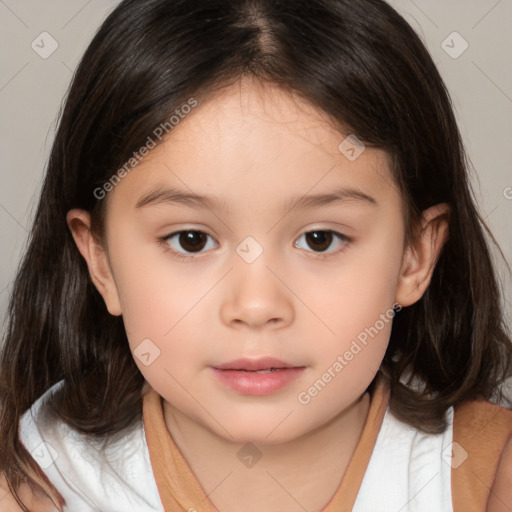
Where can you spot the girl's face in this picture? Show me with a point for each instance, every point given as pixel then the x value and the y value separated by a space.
pixel 233 273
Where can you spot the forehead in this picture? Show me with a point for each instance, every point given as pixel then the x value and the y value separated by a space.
pixel 252 139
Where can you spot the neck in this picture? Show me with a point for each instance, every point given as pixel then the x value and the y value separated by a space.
pixel 301 474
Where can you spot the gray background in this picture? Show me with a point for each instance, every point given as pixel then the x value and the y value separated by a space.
pixel 32 88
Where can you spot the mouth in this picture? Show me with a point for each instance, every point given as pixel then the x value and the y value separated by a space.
pixel 261 364
pixel 268 370
pixel 261 376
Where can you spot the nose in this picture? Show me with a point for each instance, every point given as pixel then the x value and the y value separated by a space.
pixel 256 297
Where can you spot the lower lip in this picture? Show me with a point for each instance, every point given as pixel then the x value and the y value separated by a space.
pixel 251 383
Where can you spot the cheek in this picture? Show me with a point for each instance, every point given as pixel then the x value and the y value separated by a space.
pixel 355 313
pixel 160 327
pixel 352 294
pixel 161 308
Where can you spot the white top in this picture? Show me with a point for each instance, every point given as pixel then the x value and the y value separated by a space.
pixel 408 470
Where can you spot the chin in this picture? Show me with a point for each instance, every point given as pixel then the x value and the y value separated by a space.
pixel 269 433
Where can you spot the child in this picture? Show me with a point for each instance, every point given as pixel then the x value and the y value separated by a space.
pixel 256 279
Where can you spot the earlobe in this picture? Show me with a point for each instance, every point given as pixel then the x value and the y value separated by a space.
pixel 421 256
pixel 79 222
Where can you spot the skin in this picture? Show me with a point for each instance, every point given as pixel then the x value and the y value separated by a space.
pixel 35 502
pixel 500 497
pixel 255 147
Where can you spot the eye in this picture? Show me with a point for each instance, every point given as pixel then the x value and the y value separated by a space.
pixel 184 244
pixel 320 240
pixel 191 241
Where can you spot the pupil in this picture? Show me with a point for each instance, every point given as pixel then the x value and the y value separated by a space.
pixel 322 238
pixel 192 240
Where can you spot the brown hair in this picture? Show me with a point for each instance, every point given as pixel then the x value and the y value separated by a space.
pixel 359 62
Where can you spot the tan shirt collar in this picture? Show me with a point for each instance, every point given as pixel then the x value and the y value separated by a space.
pixel 180 491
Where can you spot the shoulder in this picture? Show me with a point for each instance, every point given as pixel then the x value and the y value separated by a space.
pixel 500 499
pixel 482 426
pixel 89 472
pixel 482 435
pixel 483 413
pixel 35 423
pixel 33 501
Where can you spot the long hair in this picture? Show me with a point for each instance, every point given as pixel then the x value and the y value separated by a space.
pixel 359 62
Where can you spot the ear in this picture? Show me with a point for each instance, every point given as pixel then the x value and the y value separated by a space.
pixel 95 255
pixel 421 256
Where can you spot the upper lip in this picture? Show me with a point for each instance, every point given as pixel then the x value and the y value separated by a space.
pixel 262 363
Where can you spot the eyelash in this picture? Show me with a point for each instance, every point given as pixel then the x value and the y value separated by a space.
pixel 163 241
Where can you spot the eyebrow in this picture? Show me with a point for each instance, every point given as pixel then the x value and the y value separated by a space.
pixel 173 195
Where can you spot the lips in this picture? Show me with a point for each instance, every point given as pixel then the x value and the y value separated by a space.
pixel 257 377
pixel 255 365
